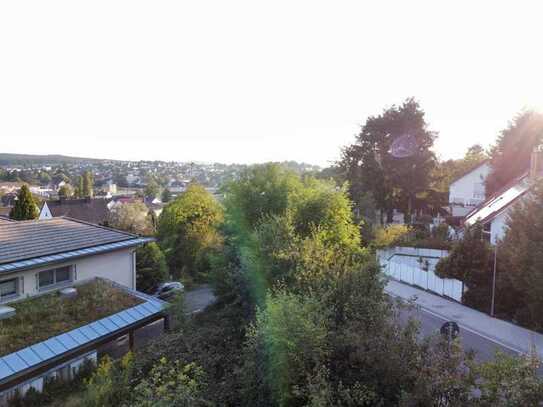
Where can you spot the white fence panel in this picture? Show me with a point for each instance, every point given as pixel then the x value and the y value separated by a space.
pixel 416 266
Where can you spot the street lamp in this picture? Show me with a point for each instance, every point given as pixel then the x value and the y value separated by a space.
pixel 494 280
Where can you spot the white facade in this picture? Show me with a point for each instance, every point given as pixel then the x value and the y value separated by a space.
pixel 118 266
pixel 498 226
pixel 45 212
pixel 468 191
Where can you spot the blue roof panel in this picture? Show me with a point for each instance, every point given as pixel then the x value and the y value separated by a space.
pixel 98 328
pixel 67 341
pixel 86 331
pixel 15 362
pixel 56 347
pixel 29 356
pixel 78 336
pixel 127 317
pixel 5 370
pixel 109 325
pixel 118 321
pixel 42 351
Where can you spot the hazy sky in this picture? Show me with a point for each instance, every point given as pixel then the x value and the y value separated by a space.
pixel 251 81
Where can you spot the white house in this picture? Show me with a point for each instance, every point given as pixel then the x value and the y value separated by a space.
pixel 40 255
pixel 468 191
pixel 55 257
pixel 494 212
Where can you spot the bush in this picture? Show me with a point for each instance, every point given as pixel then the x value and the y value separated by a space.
pixel 151 267
pixel 187 232
pixel 171 384
pixel 390 235
pixel 470 261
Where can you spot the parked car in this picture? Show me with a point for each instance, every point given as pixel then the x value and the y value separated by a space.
pixel 167 290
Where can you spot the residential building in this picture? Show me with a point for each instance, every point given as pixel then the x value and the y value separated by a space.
pixel 468 191
pixel 63 261
pixel 494 211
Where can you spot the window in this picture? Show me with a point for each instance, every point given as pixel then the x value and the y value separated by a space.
pixel 53 277
pixel 9 288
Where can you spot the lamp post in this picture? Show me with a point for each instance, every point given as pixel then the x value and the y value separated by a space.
pixel 494 281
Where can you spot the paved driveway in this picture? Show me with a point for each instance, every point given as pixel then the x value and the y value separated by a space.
pixel 195 301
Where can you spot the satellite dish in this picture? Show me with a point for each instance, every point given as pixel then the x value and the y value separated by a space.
pixel 403 146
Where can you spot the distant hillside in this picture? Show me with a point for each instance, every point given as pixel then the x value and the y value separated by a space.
pixel 27 159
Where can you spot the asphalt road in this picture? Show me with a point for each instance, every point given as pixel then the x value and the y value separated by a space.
pixel 430 323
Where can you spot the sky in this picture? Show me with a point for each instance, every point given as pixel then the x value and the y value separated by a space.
pixel 254 81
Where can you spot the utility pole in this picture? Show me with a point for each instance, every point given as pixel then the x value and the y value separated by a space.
pixel 494 280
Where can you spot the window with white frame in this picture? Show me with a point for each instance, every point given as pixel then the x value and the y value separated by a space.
pixel 9 288
pixel 54 277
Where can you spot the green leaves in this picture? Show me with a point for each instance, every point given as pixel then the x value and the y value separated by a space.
pixel 25 207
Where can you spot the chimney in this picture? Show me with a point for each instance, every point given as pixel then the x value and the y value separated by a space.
pixel 536 163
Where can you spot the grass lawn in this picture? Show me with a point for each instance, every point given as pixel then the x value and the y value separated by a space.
pixel 39 318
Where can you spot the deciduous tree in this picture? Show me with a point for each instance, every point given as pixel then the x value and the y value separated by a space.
pixel 510 156
pixel 369 166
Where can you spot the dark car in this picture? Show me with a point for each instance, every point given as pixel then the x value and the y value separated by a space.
pixel 167 290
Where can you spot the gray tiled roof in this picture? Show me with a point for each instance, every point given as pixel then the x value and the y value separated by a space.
pixel 35 238
pixel 86 209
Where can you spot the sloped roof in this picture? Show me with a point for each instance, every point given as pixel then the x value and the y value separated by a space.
pixel 88 210
pixel 25 240
pixel 499 201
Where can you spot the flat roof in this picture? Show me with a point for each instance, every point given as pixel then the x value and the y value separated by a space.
pixel 41 353
pixel 24 240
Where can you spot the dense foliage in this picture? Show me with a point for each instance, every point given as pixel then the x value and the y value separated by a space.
pixel 470 261
pixel 187 232
pixel 302 318
pixel 133 217
pixel 25 207
pixel 520 260
pixel 151 267
pixel 369 166
pixel 510 156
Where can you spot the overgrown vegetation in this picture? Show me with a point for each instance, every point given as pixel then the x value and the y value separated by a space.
pixel 187 233
pixel 302 320
pixel 39 318
pixel 151 267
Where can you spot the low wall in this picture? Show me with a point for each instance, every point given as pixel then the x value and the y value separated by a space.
pixel 416 266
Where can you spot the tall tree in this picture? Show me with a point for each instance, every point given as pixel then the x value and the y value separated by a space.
pixel 166 195
pixel 132 217
pixel 25 207
pixel 510 156
pixel 65 191
pixel 151 267
pixel 187 232
pixel 522 257
pixel 151 189
pixel 88 185
pixel 370 167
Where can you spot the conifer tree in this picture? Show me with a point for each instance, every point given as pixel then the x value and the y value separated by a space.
pixel 25 208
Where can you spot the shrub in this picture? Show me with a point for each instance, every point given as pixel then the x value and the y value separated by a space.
pixel 390 235
pixel 151 267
